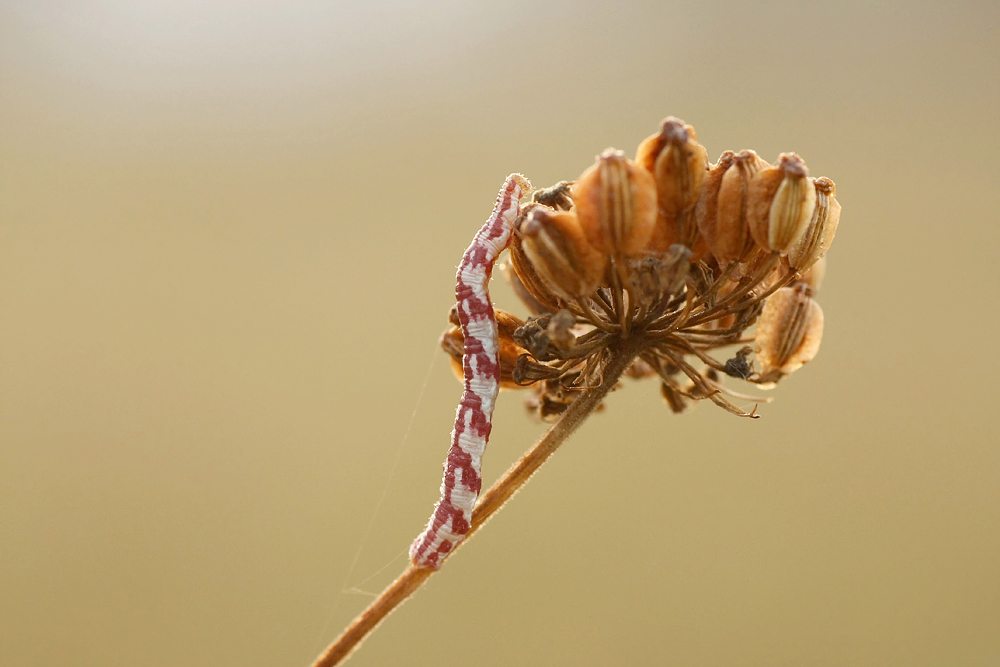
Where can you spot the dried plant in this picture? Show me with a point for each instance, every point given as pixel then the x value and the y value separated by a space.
pixel 640 268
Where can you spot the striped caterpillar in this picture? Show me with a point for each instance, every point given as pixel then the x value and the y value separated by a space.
pixel 462 481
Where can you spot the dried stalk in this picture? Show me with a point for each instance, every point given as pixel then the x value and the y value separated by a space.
pixel 620 357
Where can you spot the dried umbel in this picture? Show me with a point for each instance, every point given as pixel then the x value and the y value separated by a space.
pixel 643 269
pixel 683 256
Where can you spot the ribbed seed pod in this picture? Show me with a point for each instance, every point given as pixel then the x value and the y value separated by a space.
pixel 707 206
pixel 788 332
pixel 733 240
pixel 822 227
pixel 560 253
pixel 453 342
pixel 780 203
pixel 679 165
pixel 616 204
pixel 528 279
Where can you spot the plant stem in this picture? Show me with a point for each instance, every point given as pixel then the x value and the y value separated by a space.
pixel 621 355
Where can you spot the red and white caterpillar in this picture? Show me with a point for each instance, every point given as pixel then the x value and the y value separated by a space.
pixel 462 481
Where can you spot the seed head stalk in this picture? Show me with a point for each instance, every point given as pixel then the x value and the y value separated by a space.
pixel 619 357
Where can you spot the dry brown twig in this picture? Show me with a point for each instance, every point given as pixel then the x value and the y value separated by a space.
pixel 627 271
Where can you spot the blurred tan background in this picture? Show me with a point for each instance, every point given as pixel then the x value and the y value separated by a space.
pixel 228 235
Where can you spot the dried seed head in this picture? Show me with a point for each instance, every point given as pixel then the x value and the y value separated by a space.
pixel 453 342
pixel 678 164
pixel 780 203
pixel 788 332
pixel 814 275
pixel 560 253
pixel 731 238
pixel 616 204
pixel 819 233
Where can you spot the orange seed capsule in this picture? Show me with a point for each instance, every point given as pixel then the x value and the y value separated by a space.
pixel 616 204
pixel 780 203
pixel 679 165
pixel 788 332
pixel 821 229
pixel 733 238
pixel 559 251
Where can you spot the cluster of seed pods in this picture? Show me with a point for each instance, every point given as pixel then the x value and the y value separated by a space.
pixel 683 254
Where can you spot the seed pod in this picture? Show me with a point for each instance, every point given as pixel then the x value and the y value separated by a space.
pixel 788 332
pixel 814 275
pixel 453 342
pixel 780 203
pixel 678 164
pixel 706 207
pixel 560 253
pixel 616 204
pixel 819 233
pixel 524 277
pixel 730 231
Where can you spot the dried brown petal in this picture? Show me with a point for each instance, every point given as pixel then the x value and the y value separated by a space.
pixel 616 204
pixel 822 227
pixel 733 241
pixel 679 165
pixel 780 203
pixel 560 253
pixel 788 332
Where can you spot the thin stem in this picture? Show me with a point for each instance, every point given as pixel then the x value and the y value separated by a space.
pixel 621 356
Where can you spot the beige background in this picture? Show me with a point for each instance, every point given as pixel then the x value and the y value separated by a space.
pixel 228 234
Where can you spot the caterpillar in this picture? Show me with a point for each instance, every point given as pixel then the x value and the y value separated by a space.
pixel 462 482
